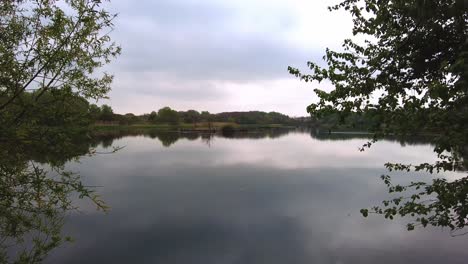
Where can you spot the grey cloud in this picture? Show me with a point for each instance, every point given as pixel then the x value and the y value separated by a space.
pixel 232 59
pixel 199 90
pixel 195 41
pixel 166 87
pixel 173 13
pixel 186 53
pixel 176 14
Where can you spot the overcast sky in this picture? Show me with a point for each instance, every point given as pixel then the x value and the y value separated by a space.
pixel 219 55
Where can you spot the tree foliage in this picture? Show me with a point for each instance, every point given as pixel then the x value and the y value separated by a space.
pixel 50 53
pixel 106 113
pixel 168 115
pixel 43 47
pixel 152 117
pixel 190 116
pixel 411 72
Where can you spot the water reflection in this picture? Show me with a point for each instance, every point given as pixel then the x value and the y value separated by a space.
pixel 169 138
pixel 248 199
pixel 35 194
pixel 322 135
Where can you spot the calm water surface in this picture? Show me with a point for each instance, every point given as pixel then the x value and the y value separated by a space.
pixel 291 198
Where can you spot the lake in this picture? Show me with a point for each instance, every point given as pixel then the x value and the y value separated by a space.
pixel 269 197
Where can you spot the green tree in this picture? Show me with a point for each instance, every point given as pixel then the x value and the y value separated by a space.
pixel 127 119
pixel 50 45
pixel 107 114
pixel 94 112
pixel 167 115
pixel 153 117
pixel 207 117
pixel 411 72
pixel 50 53
pixel 191 116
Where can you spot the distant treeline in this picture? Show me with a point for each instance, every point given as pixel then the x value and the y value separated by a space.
pixel 166 115
pixel 65 110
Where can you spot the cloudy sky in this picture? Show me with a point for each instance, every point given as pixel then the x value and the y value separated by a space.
pixel 219 55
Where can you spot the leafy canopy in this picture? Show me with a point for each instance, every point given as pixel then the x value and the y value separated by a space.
pixel 168 115
pixel 53 45
pixel 49 55
pixel 411 73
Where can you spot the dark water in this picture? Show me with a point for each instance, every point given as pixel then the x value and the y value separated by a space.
pixel 268 198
